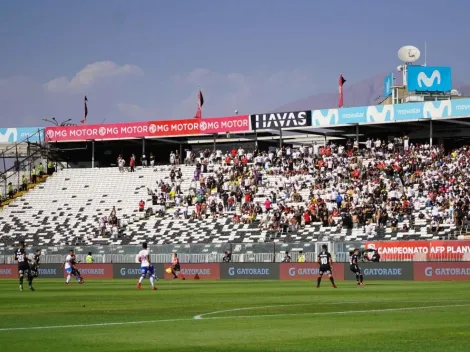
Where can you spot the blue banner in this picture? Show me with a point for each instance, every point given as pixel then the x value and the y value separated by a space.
pixel 460 107
pixel 14 134
pixel 388 84
pixel 437 109
pixel 352 115
pixel 325 117
pixel 380 113
pixel 409 111
pixel 429 79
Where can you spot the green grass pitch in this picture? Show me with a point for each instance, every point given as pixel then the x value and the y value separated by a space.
pixel 284 316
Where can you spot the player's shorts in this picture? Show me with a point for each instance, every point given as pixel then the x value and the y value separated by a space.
pixel 68 270
pixel 144 270
pixel 23 269
pixel 325 269
pixel 355 269
pixel 177 267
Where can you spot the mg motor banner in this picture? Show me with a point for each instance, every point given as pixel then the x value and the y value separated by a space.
pixel 257 271
pixel 95 271
pixel 199 126
pixel 382 271
pixel 441 271
pixel 421 250
pixel 307 271
pixel 8 271
pixel 148 129
pixel 194 271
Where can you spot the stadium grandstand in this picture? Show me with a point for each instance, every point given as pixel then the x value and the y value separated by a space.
pixel 255 185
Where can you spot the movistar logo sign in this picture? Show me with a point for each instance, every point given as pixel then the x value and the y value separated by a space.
pixel 425 81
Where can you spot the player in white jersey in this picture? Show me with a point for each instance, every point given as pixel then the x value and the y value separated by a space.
pixel 70 269
pixel 146 268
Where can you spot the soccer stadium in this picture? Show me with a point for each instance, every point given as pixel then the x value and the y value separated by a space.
pixel 294 230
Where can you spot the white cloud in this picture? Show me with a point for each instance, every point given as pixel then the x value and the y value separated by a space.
pixel 90 74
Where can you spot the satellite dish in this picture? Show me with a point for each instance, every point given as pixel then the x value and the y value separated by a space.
pixel 409 53
pixel 400 68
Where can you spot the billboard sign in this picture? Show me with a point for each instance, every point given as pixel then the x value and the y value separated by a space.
pixel 382 271
pixel 442 271
pixel 258 271
pixel 193 271
pixel 282 120
pixel 8 271
pixel 19 134
pixel 352 115
pixel 148 129
pixel 132 270
pixel 95 271
pixel 460 107
pixel 420 250
pixel 51 271
pixel 325 117
pixel 307 271
pixel 388 84
pixel 429 79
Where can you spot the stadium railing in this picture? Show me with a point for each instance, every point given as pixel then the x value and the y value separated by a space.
pixel 213 253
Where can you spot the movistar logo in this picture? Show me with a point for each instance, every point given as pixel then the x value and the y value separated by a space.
pixel 328 117
pixel 423 79
pixel 8 135
pixel 374 115
pixel 437 109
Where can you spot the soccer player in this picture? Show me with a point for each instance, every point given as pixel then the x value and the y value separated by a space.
pixel 23 266
pixel 326 263
pixel 75 271
pixel 146 268
pixel 354 266
pixel 69 266
pixel 176 268
pixel 35 263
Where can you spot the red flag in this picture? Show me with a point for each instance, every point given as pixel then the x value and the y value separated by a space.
pixel 200 103
pixel 86 111
pixel 340 84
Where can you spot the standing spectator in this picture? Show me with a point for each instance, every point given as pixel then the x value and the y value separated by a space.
pixel 89 258
pixel 132 163
pixel 141 205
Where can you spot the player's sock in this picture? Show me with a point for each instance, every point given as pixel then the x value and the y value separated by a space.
pixel 332 280
pixel 21 280
pixel 318 281
pixel 357 278
pixel 152 281
pixel 30 281
pixel 141 279
pixel 68 278
pixel 361 278
pixel 181 275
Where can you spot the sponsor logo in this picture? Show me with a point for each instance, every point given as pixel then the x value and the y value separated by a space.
pixel 303 271
pixel 6 272
pixel 374 115
pixel 388 83
pixel 130 271
pixel 196 271
pixel 281 120
pixel 328 117
pixel 47 271
pixel 425 81
pixel 8 135
pixel 436 109
pixel 430 271
pixel 87 271
pixel 383 272
pixel 429 79
pixel 248 271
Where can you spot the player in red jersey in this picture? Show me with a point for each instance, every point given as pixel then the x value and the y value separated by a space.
pixel 175 267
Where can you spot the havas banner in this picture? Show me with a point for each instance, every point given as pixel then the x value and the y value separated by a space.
pixel 281 120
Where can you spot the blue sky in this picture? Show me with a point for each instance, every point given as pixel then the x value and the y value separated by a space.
pixel 144 60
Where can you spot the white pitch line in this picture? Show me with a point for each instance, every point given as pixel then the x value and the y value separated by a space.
pixel 229 317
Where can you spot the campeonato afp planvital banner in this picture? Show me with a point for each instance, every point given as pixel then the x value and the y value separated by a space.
pixel 421 250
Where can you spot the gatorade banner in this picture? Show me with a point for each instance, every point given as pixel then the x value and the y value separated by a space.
pixel 196 271
pixel 308 271
pixel 442 271
pixel 95 271
pixel 8 271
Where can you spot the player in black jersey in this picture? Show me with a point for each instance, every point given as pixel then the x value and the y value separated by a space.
pixel 354 266
pixel 36 263
pixel 326 264
pixel 23 266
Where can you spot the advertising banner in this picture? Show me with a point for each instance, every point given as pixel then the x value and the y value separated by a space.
pixel 437 109
pixel 382 271
pixel 282 120
pixel 149 129
pixel 380 114
pixel 257 271
pixel 196 271
pixel 132 271
pixel 408 111
pixel 307 271
pixel 8 271
pixel 325 117
pixel 460 107
pixel 199 126
pixel 429 79
pixel 51 271
pixel 421 250
pixel 388 84
pixel 14 134
pixel 95 271
pixel 352 115
pixel 441 271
